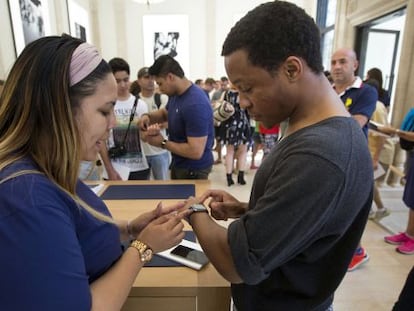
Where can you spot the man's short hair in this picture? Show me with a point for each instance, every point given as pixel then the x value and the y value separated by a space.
pixel 210 81
pixel 164 65
pixel 118 64
pixel 272 32
pixel 143 72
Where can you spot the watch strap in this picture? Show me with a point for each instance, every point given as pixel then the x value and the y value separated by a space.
pixel 144 250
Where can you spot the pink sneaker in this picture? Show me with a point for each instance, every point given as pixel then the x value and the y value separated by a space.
pixel 407 247
pixel 397 239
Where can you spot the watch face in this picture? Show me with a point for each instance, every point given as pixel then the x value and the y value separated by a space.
pixel 198 208
pixel 147 255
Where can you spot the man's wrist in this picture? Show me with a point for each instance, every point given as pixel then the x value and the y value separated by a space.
pixel 195 209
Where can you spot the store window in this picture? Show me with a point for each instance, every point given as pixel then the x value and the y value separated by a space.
pixel 325 19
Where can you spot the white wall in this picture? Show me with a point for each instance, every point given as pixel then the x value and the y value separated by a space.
pixel 7 53
pixel 117 29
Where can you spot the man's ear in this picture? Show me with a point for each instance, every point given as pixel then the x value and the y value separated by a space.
pixel 292 68
pixel 356 65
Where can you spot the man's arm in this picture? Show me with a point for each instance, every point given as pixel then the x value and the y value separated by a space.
pixel 213 238
pixel 361 119
pixel 192 149
pixel 158 116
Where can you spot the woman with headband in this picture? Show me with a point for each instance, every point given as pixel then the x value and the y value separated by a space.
pixel 60 247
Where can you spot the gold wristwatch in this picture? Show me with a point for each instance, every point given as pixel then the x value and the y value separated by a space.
pixel 144 250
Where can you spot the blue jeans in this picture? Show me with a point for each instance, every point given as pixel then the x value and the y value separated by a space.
pixel 159 164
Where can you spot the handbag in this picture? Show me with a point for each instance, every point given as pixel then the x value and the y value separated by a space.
pixel 223 111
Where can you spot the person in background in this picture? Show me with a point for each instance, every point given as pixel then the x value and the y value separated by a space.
pixel 360 100
pixel 134 88
pixel 289 247
pixel 217 96
pixel 376 144
pixel 328 76
pixel 405 240
pixel 383 95
pixel 208 86
pixel 158 159
pixel 190 122
pixel 405 300
pixel 125 134
pixel 268 137
pixel 224 86
pixel 235 134
pixel 63 247
pixel 256 143
pixel 199 82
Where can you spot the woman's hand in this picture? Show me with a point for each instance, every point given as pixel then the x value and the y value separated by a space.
pixel 163 232
pixel 138 224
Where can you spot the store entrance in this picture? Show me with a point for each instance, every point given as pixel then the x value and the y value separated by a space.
pixel 379 45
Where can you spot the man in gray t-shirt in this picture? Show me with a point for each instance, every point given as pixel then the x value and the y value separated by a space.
pixel 290 245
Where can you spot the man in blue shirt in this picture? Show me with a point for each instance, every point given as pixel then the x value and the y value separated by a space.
pixel 360 100
pixel 190 122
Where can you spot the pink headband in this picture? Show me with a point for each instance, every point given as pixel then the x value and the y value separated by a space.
pixel 85 59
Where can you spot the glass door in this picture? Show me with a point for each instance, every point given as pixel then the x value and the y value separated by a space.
pixel 379 45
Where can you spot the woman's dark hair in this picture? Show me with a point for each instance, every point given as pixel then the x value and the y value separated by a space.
pixel 376 74
pixel 374 83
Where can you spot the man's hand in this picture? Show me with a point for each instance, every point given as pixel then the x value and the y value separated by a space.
pixel 144 122
pixel 223 205
pixel 153 135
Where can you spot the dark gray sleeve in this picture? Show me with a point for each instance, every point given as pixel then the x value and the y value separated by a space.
pixel 299 196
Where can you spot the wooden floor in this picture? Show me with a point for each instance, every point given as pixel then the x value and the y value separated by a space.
pixel 376 284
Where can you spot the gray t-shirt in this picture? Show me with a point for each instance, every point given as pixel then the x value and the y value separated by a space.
pixel 308 208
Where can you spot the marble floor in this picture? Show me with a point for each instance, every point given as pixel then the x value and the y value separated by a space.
pixel 375 285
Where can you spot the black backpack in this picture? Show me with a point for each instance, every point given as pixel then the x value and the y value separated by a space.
pixel 157 99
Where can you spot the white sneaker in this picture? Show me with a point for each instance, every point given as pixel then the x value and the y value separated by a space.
pixel 381 213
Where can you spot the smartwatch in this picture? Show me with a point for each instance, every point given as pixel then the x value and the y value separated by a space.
pixel 198 208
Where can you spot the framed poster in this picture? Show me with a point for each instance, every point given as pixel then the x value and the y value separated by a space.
pixel 78 21
pixel 30 21
pixel 166 35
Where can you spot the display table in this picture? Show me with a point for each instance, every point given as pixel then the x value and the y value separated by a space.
pixel 170 288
